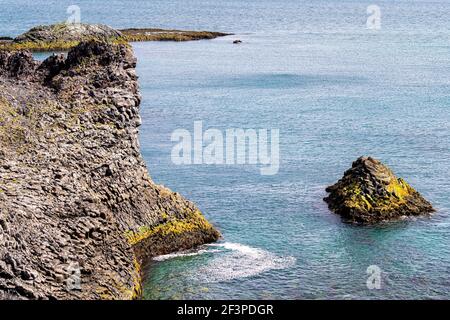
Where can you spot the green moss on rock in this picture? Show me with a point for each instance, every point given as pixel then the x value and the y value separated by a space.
pixel 370 192
pixel 194 221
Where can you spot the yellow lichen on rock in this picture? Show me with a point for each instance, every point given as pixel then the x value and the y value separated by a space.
pixel 12 131
pixel 400 188
pixel 370 192
pixel 126 292
pixel 193 221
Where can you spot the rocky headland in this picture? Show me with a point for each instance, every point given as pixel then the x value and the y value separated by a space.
pixel 369 192
pixel 76 198
pixel 65 36
pixel 146 34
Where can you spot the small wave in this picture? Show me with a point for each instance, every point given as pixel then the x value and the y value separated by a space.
pixel 240 261
pixel 230 261
pixel 183 254
pixel 238 247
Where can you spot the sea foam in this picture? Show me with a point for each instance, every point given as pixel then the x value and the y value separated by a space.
pixel 231 261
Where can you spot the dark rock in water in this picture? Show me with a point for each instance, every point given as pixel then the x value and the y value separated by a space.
pixel 369 192
pixel 237 41
pixel 76 199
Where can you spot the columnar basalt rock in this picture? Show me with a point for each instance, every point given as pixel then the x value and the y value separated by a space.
pixel 369 192
pixel 76 199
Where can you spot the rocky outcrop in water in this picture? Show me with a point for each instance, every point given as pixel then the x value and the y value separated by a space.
pixel 65 36
pixel 152 34
pixel 76 199
pixel 369 192
pixel 69 32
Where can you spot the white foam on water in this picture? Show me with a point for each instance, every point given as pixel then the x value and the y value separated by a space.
pixel 183 254
pixel 239 261
pixel 231 261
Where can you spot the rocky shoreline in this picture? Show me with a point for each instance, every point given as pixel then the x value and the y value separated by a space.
pixel 66 36
pixel 76 198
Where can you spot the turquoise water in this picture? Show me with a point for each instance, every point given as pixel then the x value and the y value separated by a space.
pixel 336 91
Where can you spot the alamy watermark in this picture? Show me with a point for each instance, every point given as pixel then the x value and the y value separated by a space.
pixel 74 19
pixel 231 147
pixel 374 279
pixel 374 19
pixel 73 281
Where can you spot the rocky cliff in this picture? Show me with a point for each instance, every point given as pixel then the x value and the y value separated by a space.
pixel 78 210
pixel 369 192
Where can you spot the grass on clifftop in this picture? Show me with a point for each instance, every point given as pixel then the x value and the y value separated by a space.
pixel 39 45
pixel 45 46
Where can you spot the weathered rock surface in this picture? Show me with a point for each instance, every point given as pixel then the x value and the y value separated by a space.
pixel 76 198
pixel 369 192
pixel 69 32
pixel 151 34
pixel 65 36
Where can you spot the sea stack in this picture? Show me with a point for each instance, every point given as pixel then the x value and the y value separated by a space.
pixel 369 192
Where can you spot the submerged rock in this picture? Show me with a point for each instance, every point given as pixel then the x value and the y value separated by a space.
pixel 79 212
pixel 369 192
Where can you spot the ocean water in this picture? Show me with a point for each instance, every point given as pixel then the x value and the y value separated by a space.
pixel 335 90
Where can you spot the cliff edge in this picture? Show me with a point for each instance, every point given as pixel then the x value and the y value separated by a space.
pixel 79 212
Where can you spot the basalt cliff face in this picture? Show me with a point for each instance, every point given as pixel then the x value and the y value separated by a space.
pixel 369 192
pixel 79 212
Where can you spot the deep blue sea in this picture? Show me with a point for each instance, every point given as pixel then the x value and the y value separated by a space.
pixel 335 90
